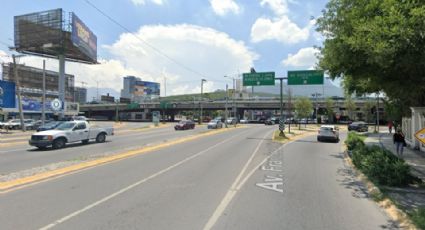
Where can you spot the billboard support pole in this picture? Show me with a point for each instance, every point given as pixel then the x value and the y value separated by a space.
pixel 43 108
pixel 61 83
pixel 18 86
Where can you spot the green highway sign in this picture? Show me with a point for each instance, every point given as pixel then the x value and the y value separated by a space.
pixel 305 77
pixel 256 79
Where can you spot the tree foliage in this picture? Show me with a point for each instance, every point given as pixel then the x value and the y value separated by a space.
pixel 376 45
pixel 350 106
pixel 303 107
pixel 329 104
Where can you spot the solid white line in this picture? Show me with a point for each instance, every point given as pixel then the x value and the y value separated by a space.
pixel 232 190
pixel 103 200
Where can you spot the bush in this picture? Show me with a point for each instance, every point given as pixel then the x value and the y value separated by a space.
pixel 353 140
pixel 380 165
pixel 418 218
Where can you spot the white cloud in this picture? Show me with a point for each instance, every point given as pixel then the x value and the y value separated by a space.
pixel 279 7
pixel 280 27
pixel 223 7
pixel 205 50
pixel 143 2
pixel 305 57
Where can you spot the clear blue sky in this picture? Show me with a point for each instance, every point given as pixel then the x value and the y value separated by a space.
pixel 214 38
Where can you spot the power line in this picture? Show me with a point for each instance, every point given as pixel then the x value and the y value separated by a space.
pixel 147 43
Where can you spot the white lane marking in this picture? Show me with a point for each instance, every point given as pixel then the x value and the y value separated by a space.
pixel 232 190
pixel 105 199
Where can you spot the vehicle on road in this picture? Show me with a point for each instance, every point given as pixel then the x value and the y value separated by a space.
pixel 359 126
pixel 244 121
pixel 12 124
pixel 49 125
pixel 328 133
pixel 215 124
pixel 231 120
pixel 184 125
pixel 272 121
pixel 70 132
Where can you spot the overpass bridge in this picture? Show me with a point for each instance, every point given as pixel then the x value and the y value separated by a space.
pixel 143 111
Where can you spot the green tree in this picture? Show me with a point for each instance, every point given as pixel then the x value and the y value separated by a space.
pixel 350 106
pixel 367 107
pixel 329 103
pixel 303 107
pixel 376 45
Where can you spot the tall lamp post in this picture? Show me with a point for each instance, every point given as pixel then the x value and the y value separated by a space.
pixel 233 96
pixel 200 104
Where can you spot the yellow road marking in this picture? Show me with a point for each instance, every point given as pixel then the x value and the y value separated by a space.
pixel 57 172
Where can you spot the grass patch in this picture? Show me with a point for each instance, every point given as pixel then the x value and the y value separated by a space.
pixel 277 137
pixel 418 217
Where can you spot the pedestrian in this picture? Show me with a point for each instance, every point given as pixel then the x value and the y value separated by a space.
pixel 390 126
pixel 399 142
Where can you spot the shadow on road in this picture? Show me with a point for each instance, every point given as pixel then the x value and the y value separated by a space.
pixel 67 146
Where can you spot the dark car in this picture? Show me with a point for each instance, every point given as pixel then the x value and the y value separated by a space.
pixel 272 121
pixel 358 126
pixel 183 125
pixel 49 126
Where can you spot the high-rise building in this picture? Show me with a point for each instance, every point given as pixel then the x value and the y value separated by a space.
pixel 80 95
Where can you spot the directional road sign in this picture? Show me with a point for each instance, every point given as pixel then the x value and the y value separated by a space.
pixel 257 79
pixel 420 135
pixel 305 77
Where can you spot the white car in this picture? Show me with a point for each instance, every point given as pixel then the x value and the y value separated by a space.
pixel 328 132
pixel 69 132
pixel 244 121
pixel 215 124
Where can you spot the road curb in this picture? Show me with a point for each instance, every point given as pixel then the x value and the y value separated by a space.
pixel 386 204
pixel 25 181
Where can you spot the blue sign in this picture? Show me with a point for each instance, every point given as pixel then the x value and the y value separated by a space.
pixel 35 105
pixel 7 94
pixel 83 38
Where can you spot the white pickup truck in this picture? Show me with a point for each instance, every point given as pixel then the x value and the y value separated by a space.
pixel 70 132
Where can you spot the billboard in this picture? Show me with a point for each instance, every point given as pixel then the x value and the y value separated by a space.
pixel 7 94
pixel 146 88
pixel 83 38
pixel 35 30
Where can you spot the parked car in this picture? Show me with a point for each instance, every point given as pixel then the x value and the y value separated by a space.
pixel 244 121
pixel 70 132
pixel 49 125
pixel 272 121
pixel 359 126
pixel 215 124
pixel 231 120
pixel 30 124
pixel 328 132
pixel 13 124
pixel 183 125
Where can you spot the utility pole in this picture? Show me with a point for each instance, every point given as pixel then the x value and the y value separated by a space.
pixel 165 86
pixel 43 107
pixel 200 104
pixel 377 111
pixel 281 119
pixel 18 86
pixel 289 109
pixel 234 102
pixel 227 99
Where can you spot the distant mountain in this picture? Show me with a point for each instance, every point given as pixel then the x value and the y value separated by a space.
pixel 92 93
pixel 328 88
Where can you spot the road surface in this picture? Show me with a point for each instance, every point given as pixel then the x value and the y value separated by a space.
pixel 238 179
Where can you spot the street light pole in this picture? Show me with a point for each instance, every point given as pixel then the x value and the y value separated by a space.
pixel 43 108
pixel 18 87
pixel 200 104
pixel 227 99
pixel 281 104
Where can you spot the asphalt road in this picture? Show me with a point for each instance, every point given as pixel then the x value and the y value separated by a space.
pixel 232 180
pixel 23 156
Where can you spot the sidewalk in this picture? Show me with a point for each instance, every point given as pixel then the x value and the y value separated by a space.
pixel 414 158
pixel 409 198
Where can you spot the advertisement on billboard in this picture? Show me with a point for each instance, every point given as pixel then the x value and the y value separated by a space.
pixel 7 94
pixel 83 38
pixel 146 88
